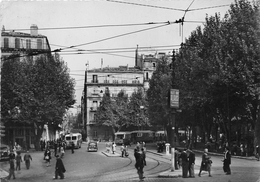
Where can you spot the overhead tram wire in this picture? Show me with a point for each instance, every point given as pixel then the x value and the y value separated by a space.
pixel 92 26
pixel 109 38
pixel 120 35
pixel 150 6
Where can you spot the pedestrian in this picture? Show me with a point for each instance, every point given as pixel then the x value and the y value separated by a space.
pixel 227 161
pixel 140 163
pixel 59 168
pixel 191 159
pixel 113 147
pixel 18 159
pixel 62 151
pixel 27 157
pixel 72 147
pixel 185 163
pixel 11 155
pixel 47 156
pixel 257 152
pixel 55 147
pixel 205 163
pixel 11 170
pixel 123 150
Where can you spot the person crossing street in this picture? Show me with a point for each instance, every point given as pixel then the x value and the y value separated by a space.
pixel 27 157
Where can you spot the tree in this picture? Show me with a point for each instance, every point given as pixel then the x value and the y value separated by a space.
pixel 105 115
pixel 218 69
pixel 41 88
pixel 137 110
pixel 157 95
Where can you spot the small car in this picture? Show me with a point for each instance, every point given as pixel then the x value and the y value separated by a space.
pixel 4 152
pixel 92 146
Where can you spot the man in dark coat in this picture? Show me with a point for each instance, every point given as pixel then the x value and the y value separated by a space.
pixel 140 162
pixel 227 161
pixel 185 163
pixel 59 168
pixel 72 147
pixel 191 159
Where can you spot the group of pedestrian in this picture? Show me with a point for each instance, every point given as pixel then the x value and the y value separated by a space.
pixel 18 158
pixel 124 151
pixel 187 162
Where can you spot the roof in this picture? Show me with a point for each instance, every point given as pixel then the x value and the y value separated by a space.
pixel 121 69
pixel 21 34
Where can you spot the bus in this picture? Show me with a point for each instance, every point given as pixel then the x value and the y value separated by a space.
pixel 123 137
pixel 76 138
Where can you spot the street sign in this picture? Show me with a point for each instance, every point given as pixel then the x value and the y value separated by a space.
pixel 174 98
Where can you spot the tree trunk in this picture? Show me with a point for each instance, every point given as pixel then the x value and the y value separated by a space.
pixel 38 136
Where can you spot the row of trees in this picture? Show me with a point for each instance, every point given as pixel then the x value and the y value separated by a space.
pixel 123 113
pixel 40 88
pixel 217 72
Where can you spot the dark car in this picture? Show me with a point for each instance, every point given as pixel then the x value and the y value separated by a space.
pixel 92 146
pixel 4 152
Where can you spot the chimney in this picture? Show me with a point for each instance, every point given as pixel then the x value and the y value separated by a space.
pixel 34 30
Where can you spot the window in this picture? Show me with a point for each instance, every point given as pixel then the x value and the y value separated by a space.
pixel 106 81
pixel 154 65
pixel 115 81
pixel 74 138
pixel 6 43
pixel 28 44
pixel 94 79
pixel 146 76
pixel 17 43
pixel 135 81
pixel 95 105
pixel 39 43
pixel 139 134
pixel 124 81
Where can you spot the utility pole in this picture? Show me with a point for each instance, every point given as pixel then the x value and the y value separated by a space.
pixel 85 103
pixel 173 105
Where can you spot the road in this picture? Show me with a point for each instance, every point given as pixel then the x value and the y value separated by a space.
pixel 83 166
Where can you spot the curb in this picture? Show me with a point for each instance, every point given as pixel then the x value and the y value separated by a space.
pixel 111 155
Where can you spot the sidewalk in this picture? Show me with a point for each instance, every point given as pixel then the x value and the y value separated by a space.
pixel 36 167
pixel 151 148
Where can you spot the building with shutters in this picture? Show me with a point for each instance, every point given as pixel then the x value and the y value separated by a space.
pixel 20 45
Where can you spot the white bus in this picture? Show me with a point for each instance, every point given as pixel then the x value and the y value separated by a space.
pixel 76 138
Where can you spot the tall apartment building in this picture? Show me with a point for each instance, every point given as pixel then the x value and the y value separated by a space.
pixel 116 79
pixel 96 81
pixel 21 45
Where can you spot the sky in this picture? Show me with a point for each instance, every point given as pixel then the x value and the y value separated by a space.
pixel 119 25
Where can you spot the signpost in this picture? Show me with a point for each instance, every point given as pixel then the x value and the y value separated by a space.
pixel 174 105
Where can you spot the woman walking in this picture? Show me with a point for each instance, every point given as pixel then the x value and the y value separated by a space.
pixel 47 156
pixel 205 163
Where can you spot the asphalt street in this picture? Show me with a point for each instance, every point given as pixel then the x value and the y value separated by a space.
pixel 101 166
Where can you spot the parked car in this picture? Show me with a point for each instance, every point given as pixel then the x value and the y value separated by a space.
pixel 4 152
pixel 92 146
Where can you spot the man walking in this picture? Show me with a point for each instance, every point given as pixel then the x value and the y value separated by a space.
pixel 185 163
pixel 227 161
pixel 18 159
pixel 72 147
pixel 27 157
pixel 191 159
pixel 11 170
pixel 140 163
pixel 59 168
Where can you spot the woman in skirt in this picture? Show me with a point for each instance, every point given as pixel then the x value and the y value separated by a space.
pixel 205 163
